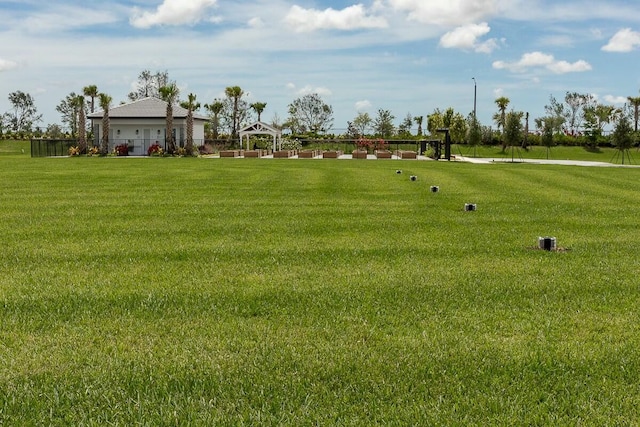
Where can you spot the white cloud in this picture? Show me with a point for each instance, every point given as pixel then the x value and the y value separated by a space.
pixel 172 12
pixel 448 13
pixel 563 67
pixel 308 89
pixel 351 18
pixel 615 99
pixel 5 64
pixel 363 105
pixel 542 60
pixel 256 22
pixel 466 37
pixel 624 40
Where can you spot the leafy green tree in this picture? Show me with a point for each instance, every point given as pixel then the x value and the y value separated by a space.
pixel 447 117
pixel 362 123
pixel 149 84
pixel 105 104
pixel 310 114
pixel 190 105
pixel 169 94
pixel 458 128
pixel 258 107
pixel 622 136
pixel 215 110
pixel 513 128
pixel 435 121
pixel 596 117
pixel 576 101
pixel 556 115
pixel 474 132
pixel 546 126
pixel 68 109
pixel 404 130
pixel 23 114
pixel 91 91
pixel 383 124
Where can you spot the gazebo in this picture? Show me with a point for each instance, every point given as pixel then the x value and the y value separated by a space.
pixel 260 128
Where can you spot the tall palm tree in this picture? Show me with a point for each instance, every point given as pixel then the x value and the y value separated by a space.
pixel 234 93
pixel 418 120
pixel 92 92
pixel 105 103
pixel 169 94
pixel 82 125
pixel 190 105
pixel 215 108
pixel 258 107
pixel 635 102
pixel 500 118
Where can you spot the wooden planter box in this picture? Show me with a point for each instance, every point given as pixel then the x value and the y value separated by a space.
pixel 383 154
pixel 407 154
pixel 331 154
pixel 253 153
pixel 359 154
pixel 283 154
pixel 308 154
pixel 230 153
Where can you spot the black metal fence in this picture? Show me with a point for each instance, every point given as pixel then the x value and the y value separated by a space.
pixel 51 147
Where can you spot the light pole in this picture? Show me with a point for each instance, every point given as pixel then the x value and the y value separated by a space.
pixel 475 91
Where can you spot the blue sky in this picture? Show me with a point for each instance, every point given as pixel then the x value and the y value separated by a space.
pixel 406 56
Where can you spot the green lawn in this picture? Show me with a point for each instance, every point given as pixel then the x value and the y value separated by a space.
pixel 162 291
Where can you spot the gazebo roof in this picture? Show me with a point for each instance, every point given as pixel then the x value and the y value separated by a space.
pixel 259 128
pixel 145 108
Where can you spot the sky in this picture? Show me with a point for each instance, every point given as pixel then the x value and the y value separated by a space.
pixel 405 56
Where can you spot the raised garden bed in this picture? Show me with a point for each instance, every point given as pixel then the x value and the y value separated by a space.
pixel 334 154
pixel 308 154
pixel 359 154
pixel 383 154
pixel 230 153
pixel 253 153
pixel 284 154
pixel 406 154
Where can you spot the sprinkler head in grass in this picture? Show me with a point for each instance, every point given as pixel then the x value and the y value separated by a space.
pixel 435 188
pixel 398 171
pixel 413 178
pixel 547 243
pixel 470 207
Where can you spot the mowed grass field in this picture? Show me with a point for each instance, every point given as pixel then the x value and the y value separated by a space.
pixel 317 292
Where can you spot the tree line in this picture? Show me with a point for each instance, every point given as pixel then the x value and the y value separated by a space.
pixel 577 119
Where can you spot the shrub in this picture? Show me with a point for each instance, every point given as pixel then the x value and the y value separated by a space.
pixel 121 150
pixel 74 150
pixel 155 150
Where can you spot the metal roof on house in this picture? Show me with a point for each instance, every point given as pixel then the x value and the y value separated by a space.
pixel 145 108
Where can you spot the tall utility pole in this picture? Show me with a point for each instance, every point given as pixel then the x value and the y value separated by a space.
pixel 475 91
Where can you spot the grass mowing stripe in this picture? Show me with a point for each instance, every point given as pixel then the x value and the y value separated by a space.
pixel 156 291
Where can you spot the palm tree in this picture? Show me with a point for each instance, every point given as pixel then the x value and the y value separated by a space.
pixel 190 105
pixel 105 103
pixel 82 126
pixel 418 120
pixel 635 102
pixel 234 93
pixel 169 94
pixel 258 107
pixel 92 92
pixel 500 118
pixel 215 108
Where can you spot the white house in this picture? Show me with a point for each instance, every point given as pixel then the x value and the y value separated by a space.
pixel 142 123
